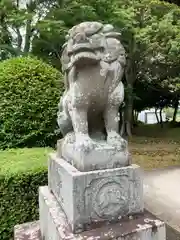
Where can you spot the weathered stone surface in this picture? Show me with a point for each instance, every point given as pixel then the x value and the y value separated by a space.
pixel 141 227
pixel 95 195
pixel 27 231
pixel 171 234
pixel 103 156
pixel 93 61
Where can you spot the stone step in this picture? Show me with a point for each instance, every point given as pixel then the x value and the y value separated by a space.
pixel 54 225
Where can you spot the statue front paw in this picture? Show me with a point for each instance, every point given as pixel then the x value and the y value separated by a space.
pixel 84 142
pixel 116 140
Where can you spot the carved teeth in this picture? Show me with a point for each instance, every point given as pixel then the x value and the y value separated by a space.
pixel 84 56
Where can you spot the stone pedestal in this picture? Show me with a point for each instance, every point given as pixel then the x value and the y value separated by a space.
pixel 102 156
pixel 95 196
pixel 54 224
pixel 94 205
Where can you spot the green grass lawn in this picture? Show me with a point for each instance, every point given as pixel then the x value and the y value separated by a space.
pixel 22 171
pixel 151 147
pixel 20 160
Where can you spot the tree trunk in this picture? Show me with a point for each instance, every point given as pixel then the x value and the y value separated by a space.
pixel 130 76
pixel 129 111
pixel 161 120
pixel 156 115
pixel 128 128
pixel 135 116
pixel 175 110
pixel 28 36
pixel 19 39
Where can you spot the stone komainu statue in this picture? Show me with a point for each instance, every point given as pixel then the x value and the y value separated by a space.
pixel 93 62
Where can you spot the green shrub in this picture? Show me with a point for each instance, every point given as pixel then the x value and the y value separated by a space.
pixel 22 171
pixel 29 93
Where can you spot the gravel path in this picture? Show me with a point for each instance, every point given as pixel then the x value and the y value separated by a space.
pixel 162 195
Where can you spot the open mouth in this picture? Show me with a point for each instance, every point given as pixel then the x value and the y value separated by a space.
pixel 85 58
pixel 82 54
pixel 80 47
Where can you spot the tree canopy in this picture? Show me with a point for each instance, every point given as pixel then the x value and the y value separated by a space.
pixel 150 33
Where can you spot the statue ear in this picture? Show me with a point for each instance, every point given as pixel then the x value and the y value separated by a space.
pixel 107 28
pixel 122 60
pixel 64 45
pixel 69 46
pixel 67 37
pixel 64 58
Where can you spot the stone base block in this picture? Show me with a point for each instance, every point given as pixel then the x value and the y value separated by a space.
pixel 95 196
pixel 54 225
pixel 27 231
pixel 102 156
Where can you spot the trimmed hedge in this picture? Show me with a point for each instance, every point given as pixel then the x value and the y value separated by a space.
pixel 29 94
pixel 22 171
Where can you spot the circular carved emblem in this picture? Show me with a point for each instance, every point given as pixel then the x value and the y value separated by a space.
pixel 110 200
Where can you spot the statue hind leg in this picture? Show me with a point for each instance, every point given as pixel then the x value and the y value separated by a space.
pixel 111 117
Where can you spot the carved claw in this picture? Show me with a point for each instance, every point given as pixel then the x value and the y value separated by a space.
pixel 116 140
pixel 84 142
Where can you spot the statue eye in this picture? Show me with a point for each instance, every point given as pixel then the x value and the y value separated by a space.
pixel 80 37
